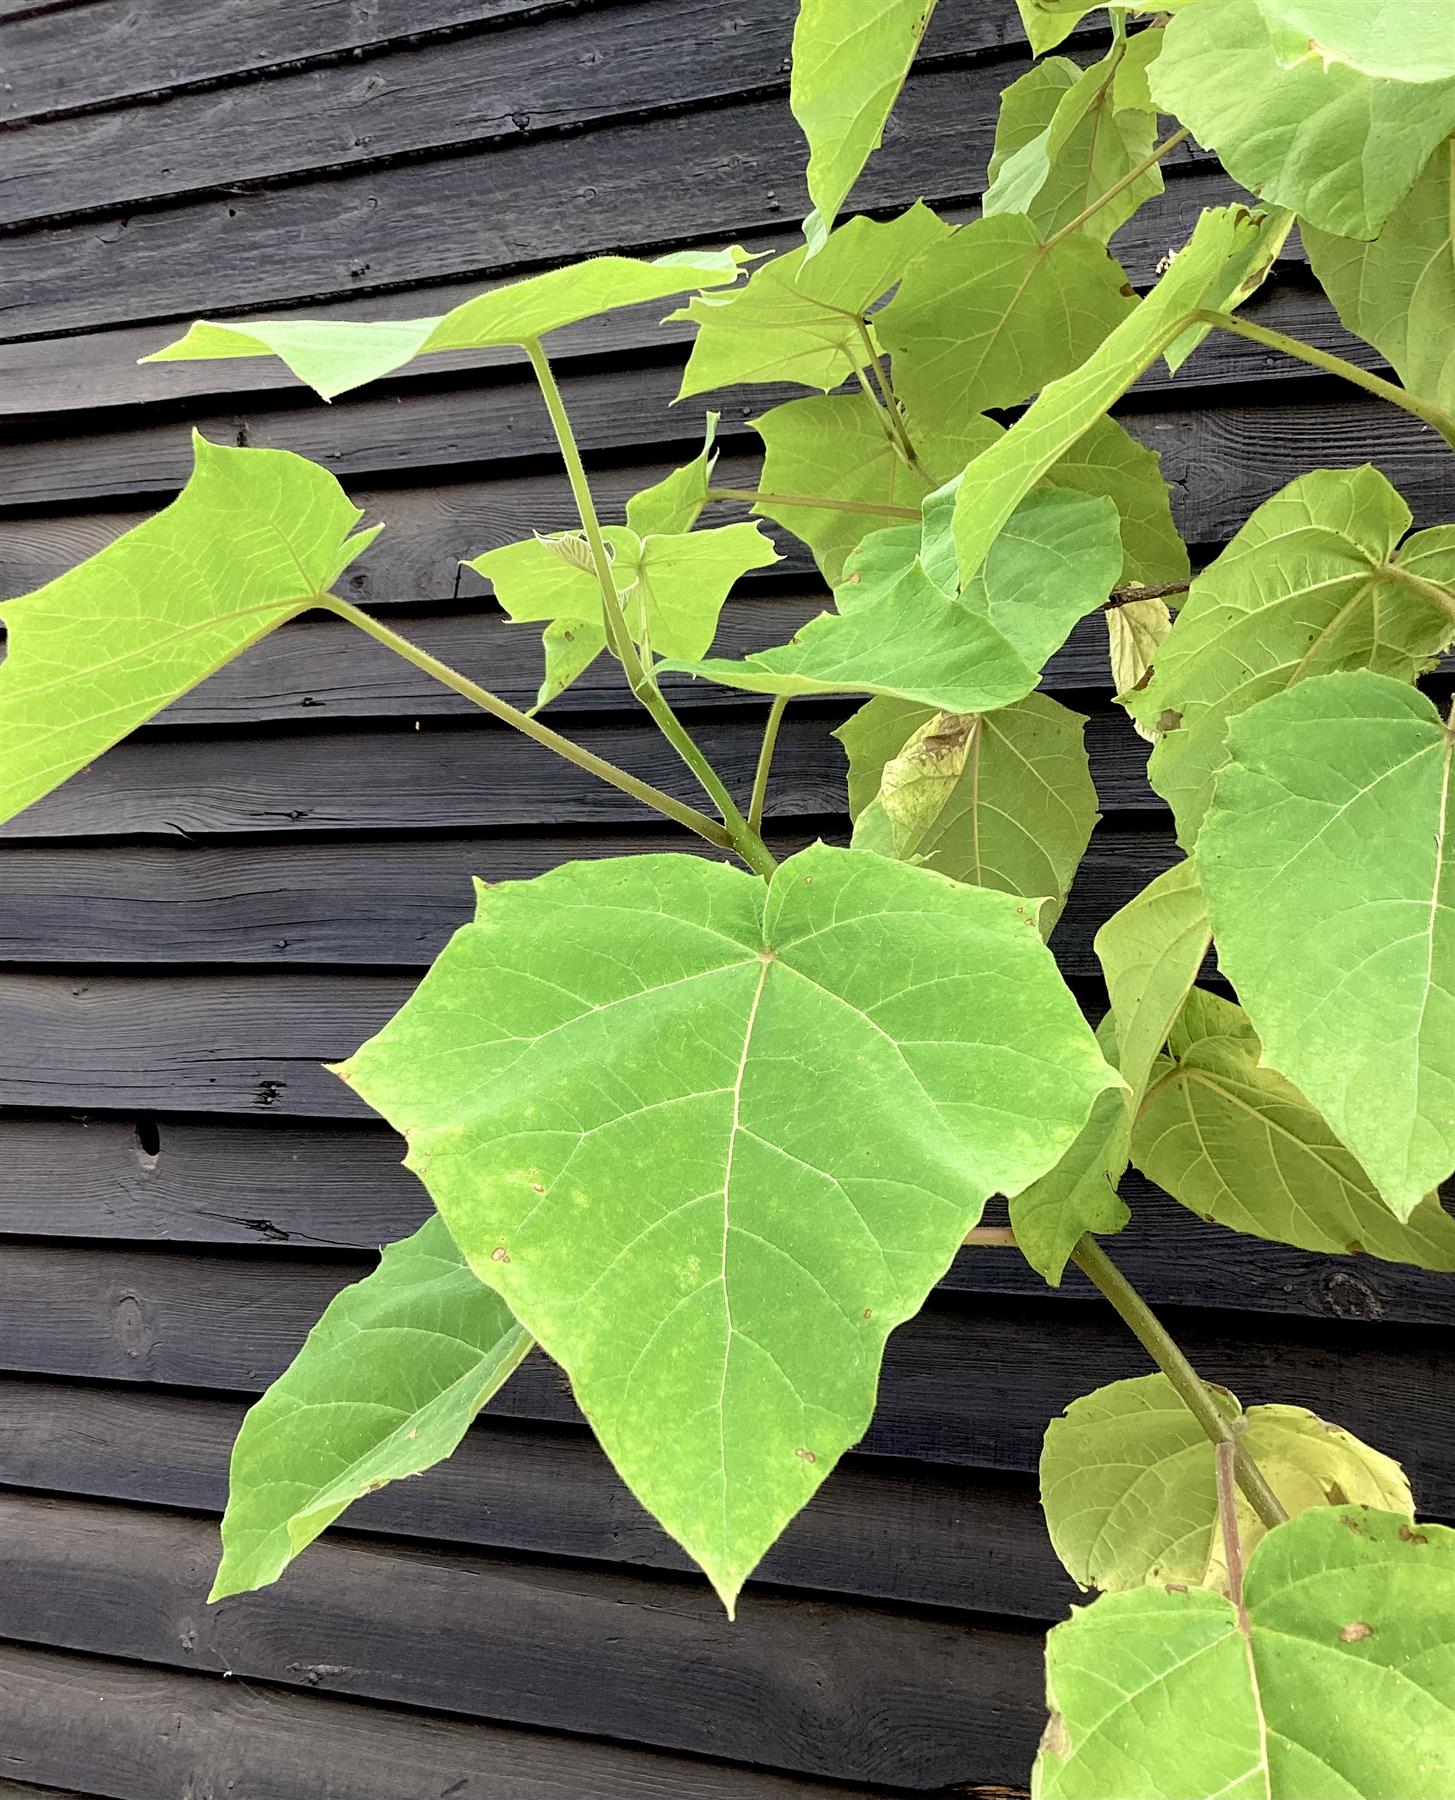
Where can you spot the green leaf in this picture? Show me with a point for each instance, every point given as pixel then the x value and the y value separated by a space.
pixel 1003 799
pixel 990 314
pixel 672 588
pixel 1411 40
pixel 386 1385
pixel 838 445
pixel 1049 22
pixel 1398 291
pixel 333 355
pixel 1336 1679
pixel 1326 860
pixel 1054 563
pixel 674 504
pixel 1000 478
pixel 571 646
pixel 844 85
pixel 1135 632
pixel 1129 1482
pixel 872 737
pixel 593 1080
pixel 804 319
pixel 1339 147
pixel 1238 1145
pixel 1106 460
pixel 254 538
pixel 1313 583
pixel 1091 128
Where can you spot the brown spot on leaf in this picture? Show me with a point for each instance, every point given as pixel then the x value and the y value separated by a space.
pixel 1408 1535
pixel 1169 719
pixel 1336 1494
pixel 807 1456
pixel 1175 1587
pixel 1056 1739
pixel 1355 1632
pixel 538 1187
pixel 500 1254
pixel 868 1312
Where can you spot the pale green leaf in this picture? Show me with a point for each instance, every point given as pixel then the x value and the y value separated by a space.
pixel 1150 952
pixel 674 504
pixel 1398 290
pixel 839 445
pixel 1129 1482
pixel 1238 1145
pixel 254 538
pixel 1052 564
pixel 1000 478
pixel 801 318
pixel 848 68
pixel 1106 460
pixel 1339 147
pixel 1241 278
pixel 872 737
pixel 385 1386
pixel 990 314
pixel 333 355
pixel 594 1083
pixel 1326 857
pixel 1003 799
pixel 1135 631
pixel 1050 22
pixel 1406 40
pixel 1336 1680
pixel 1313 583
pixel 1097 127
pixel 571 646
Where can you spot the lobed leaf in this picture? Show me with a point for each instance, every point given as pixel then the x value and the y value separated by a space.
pixel 1340 147
pixel 847 73
pixel 594 1080
pixel 1335 1676
pixel 1106 459
pixel 1232 1141
pixel 386 1385
pixel 1129 1482
pixel 334 355
pixel 254 538
pixel 1316 581
pixel 1326 857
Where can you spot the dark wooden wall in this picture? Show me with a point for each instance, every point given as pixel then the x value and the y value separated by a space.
pixel 253 884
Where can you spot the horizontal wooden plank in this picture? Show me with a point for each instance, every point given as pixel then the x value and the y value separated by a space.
pixel 879 1530
pixel 971 1382
pixel 133 1731
pixel 280 1186
pixel 550 71
pixel 119 50
pixel 384 904
pixel 834 1690
pixel 467 777
pixel 734 168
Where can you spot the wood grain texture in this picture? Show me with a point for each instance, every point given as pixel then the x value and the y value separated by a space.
pixel 838 1690
pixel 970 1383
pixel 129 1731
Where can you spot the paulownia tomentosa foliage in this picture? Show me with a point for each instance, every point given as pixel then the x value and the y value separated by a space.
pixel 708 1134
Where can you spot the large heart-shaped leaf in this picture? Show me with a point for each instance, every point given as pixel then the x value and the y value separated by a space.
pixel 1340 147
pixel 1313 583
pixel 1327 861
pixel 1054 563
pixel 1239 1146
pixel 254 538
pixel 385 1386
pixel 1336 1676
pixel 1106 460
pixel 334 355
pixel 713 1139
pixel 845 82
pixel 1397 291
pixel 1129 1482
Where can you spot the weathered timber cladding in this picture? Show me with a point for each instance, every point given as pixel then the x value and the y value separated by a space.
pixel 254 883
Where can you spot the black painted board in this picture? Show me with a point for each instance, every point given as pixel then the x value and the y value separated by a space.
pixel 972 1381
pixel 851 1692
pixel 138 1731
pixel 879 1530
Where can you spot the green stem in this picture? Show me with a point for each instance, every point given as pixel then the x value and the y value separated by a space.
pixel 1157 1341
pixel 765 762
pixel 887 399
pixel 1135 173
pixel 1333 365
pixel 744 840
pixel 757 497
pixel 532 728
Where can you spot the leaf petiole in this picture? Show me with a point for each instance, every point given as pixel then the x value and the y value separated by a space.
pixel 1135 173
pixel 765 762
pixel 754 495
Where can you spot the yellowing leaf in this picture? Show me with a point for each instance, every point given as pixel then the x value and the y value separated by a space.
pixel 254 538
pixel 334 355
pixel 1136 630
pixel 593 1083
pixel 674 504
pixel 386 1386
pixel 848 68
